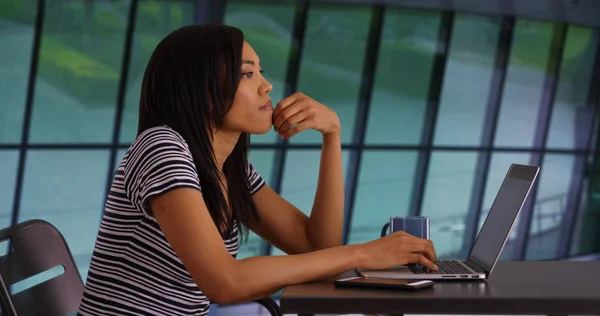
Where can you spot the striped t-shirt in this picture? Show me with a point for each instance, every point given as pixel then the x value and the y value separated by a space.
pixel 134 270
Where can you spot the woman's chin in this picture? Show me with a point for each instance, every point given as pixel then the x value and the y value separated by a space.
pixel 259 130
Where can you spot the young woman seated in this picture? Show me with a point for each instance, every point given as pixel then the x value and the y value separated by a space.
pixel 185 194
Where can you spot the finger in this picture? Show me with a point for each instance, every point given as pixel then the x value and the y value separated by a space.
pixel 285 103
pixel 296 129
pixel 420 259
pixel 294 119
pixel 419 245
pixel 430 250
pixel 285 115
pixel 432 247
pixel 425 247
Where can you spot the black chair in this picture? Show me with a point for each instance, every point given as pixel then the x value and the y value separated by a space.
pixel 37 246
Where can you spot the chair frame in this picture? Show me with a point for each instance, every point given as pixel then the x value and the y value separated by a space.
pixel 18 232
pixel 15 266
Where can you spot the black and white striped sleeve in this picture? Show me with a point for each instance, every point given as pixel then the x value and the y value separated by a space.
pixel 254 179
pixel 158 163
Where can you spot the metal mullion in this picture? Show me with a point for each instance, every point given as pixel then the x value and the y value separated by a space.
pixel 369 147
pixel 362 113
pixel 33 68
pixel 291 86
pixel 503 49
pixel 579 170
pixel 122 90
pixel 541 134
pixel 431 113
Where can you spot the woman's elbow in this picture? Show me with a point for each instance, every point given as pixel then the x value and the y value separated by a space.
pixel 221 297
pixel 225 291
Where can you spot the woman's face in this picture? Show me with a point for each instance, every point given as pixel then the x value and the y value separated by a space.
pixel 251 111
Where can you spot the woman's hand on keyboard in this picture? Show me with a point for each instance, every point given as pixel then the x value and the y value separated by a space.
pixel 399 248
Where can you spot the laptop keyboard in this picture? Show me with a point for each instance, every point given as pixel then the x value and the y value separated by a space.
pixel 444 267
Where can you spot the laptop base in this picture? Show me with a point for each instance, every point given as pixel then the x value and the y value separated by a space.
pixel 449 270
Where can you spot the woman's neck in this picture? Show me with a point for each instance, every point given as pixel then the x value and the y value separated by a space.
pixel 223 144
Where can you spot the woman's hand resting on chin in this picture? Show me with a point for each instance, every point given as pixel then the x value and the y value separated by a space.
pixel 299 112
pixel 399 248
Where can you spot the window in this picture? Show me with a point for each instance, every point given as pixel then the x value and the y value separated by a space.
pixel 268 29
pixel 556 178
pixel 154 21
pixel 327 76
pixel 447 195
pixel 572 119
pixel 67 189
pixel 404 66
pixel 467 80
pixel 523 86
pixel 78 72
pixel 262 160
pixel 301 173
pixel 8 170
pixel 119 157
pixel 383 190
pixel 499 164
pixel 586 237
pixel 17 20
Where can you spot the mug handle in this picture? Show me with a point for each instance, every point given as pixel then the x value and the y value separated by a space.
pixel 384 229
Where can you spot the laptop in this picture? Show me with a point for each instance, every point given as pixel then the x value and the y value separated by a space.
pixel 491 239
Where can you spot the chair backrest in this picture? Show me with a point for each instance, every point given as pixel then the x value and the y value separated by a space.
pixel 36 247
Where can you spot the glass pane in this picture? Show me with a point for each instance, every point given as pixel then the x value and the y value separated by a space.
pixel 268 28
pixel 251 247
pixel 587 235
pixel 119 157
pixel 447 196
pixel 523 87
pixel 384 190
pixel 55 190
pixel 329 77
pixel 154 20
pixel 17 20
pixel 404 66
pixel 301 173
pixel 467 80
pixel 556 177
pixel 8 170
pixel 79 69
pixel 262 160
pixel 572 118
pixel 580 220
pixel 498 169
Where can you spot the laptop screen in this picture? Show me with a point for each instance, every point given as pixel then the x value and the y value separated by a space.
pixel 504 210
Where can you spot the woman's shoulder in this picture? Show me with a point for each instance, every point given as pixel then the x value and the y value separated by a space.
pixel 159 139
pixel 159 134
pixel 159 144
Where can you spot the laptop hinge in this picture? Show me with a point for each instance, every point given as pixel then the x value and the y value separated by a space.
pixel 483 270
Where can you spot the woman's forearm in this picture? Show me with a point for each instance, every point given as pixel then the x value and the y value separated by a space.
pixel 326 221
pixel 258 277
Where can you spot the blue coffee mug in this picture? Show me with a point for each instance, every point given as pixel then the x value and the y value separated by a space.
pixel 415 225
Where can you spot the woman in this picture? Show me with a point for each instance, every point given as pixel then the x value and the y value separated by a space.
pixel 184 191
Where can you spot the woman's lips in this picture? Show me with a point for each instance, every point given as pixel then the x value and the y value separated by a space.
pixel 267 106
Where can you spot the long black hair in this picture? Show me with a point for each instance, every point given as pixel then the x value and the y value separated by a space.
pixel 189 85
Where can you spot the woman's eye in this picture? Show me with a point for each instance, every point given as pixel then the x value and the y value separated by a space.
pixel 251 73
